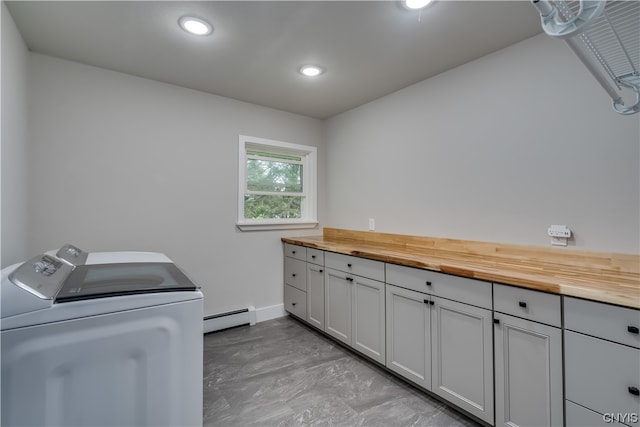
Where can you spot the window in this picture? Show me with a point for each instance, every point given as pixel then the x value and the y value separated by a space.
pixel 277 185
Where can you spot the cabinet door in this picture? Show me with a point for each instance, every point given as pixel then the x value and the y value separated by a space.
pixel 337 305
pixel 367 318
pixel 409 335
pixel 315 296
pixel 528 357
pixel 462 359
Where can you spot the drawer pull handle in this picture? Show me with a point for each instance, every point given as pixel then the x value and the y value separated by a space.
pixel 320 271
pixel 496 321
pixel 428 283
pixel 294 274
pixel 522 304
pixel 432 302
pixel 293 252
pixel 633 329
pixel 634 391
pixel 293 303
pixel 349 265
pixel 426 301
pixel 313 257
pixel 350 279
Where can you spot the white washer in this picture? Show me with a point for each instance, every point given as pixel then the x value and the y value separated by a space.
pixel 100 339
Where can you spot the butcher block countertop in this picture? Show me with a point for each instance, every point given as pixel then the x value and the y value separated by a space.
pixel 604 277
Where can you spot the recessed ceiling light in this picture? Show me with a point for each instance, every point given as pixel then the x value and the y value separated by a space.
pixel 416 4
pixel 311 70
pixel 196 26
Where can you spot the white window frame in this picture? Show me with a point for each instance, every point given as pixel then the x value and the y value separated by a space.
pixel 309 157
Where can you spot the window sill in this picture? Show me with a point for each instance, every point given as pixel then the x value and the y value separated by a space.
pixel 273 225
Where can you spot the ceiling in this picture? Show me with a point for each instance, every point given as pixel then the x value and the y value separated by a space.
pixel 368 48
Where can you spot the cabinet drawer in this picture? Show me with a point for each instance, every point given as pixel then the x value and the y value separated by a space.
pixel 295 301
pixel 528 304
pixel 315 256
pixel 470 291
pixel 354 265
pixel 579 416
pixel 601 375
pixel 606 321
pixel 414 279
pixel 295 273
pixel 295 251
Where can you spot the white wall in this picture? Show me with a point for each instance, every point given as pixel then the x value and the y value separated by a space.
pixel 124 163
pixel 495 150
pixel 14 143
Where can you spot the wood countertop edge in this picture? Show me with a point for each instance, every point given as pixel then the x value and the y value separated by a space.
pixel 499 272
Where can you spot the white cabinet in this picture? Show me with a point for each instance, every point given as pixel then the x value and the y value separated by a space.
pixel 601 375
pixel 355 305
pixel 295 301
pixel 304 284
pixel 315 256
pixel 602 360
pixel 337 305
pixel 295 273
pixel 295 280
pixel 609 322
pixel 315 288
pixel 465 339
pixel 354 312
pixel 409 335
pixel 368 318
pixel 295 251
pixel 462 356
pixel 528 375
pixel 315 295
pixel 580 416
pixel 442 344
pixel 528 357
pixel 353 265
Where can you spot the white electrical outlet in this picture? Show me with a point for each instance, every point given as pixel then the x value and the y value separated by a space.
pixel 559 231
pixel 372 224
pixel 559 234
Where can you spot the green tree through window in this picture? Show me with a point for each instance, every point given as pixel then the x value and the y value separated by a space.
pixel 269 174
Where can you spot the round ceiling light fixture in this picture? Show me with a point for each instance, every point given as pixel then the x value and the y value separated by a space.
pixel 416 4
pixel 197 26
pixel 310 70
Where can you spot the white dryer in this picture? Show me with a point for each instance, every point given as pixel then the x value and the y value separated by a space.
pixel 100 339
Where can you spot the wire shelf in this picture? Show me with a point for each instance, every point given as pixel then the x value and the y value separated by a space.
pixel 605 36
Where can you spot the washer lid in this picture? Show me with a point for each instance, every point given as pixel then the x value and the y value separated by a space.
pixel 108 280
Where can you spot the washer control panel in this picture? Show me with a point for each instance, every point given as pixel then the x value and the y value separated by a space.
pixel 72 255
pixel 46 266
pixel 42 275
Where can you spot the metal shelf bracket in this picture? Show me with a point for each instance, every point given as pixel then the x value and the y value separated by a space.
pixel 605 35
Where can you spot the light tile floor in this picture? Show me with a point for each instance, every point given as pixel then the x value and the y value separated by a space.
pixel 283 373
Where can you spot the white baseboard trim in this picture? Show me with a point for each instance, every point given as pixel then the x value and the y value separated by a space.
pixel 272 312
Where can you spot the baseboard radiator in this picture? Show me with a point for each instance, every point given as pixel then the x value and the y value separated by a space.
pixel 217 322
